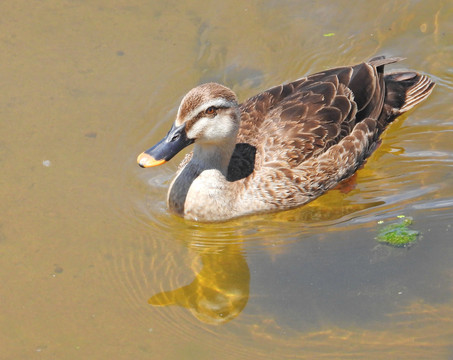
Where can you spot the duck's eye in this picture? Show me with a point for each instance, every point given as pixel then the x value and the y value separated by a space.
pixel 211 110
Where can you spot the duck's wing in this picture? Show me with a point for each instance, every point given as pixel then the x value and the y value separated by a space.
pixel 294 122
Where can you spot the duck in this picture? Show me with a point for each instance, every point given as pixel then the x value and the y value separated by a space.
pixel 283 147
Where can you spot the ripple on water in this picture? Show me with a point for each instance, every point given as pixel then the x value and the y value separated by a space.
pixel 379 191
pixel 180 278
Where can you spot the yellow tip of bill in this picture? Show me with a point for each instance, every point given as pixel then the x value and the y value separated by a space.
pixel 145 160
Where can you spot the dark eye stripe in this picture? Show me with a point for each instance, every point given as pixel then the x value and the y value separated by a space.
pixel 212 110
pixel 202 113
pixel 216 108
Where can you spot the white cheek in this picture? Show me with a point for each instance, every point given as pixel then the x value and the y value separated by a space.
pixel 197 128
pixel 218 130
pixel 208 129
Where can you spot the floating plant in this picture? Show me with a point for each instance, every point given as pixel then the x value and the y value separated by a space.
pixel 398 234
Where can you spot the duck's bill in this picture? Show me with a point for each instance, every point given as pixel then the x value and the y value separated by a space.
pixel 164 150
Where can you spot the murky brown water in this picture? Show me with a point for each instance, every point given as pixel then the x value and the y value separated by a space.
pixel 92 265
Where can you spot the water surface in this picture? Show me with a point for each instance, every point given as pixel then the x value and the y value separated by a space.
pixel 94 267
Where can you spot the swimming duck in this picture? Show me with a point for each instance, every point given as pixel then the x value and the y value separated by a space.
pixel 284 146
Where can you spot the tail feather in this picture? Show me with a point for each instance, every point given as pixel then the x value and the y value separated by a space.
pixel 417 93
pixel 405 90
pixel 379 61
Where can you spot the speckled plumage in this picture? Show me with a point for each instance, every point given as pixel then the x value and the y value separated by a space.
pixel 294 141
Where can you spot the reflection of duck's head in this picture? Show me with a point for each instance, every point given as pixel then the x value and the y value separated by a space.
pixel 209 305
pixel 219 291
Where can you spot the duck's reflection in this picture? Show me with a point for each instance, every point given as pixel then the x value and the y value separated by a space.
pixel 219 291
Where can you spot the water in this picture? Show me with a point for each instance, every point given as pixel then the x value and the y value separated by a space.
pixel 93 266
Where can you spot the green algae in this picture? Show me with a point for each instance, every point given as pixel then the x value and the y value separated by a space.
pixel 398 234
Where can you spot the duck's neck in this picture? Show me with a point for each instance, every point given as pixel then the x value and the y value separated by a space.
pixel 212 159
pixel 213 156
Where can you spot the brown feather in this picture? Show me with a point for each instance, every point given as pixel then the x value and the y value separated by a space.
pixel 346 108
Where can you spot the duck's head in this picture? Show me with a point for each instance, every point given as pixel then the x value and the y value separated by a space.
pixel 208 115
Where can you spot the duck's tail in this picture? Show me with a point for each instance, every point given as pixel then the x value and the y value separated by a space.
pixel 405 90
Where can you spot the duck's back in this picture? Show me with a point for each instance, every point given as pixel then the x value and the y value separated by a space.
pixel 300 139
